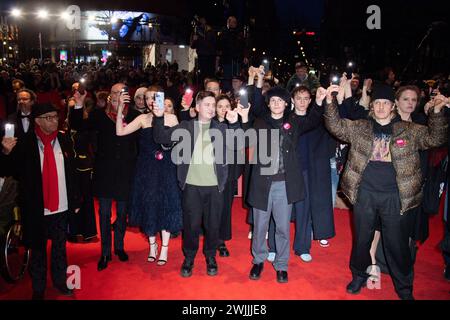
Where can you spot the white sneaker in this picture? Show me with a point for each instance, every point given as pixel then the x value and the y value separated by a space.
pixel 306 257
pixel 250 235
pixel 324 243
pixel 271 257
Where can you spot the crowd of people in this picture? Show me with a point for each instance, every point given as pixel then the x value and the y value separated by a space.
pixel 85 131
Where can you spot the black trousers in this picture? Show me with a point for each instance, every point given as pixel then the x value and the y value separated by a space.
pixel 396 230
pixel 201 204
pixel 83 223
pixel 55 230
pixel 228 197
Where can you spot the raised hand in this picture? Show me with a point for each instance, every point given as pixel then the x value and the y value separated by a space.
pixel 439 102
pixel 8 144
pixel 367 84
pixel 321 94
pixel 184 104
pixel 331 91
pixel 158 112
pixel 231 116
pixel 252 71
pixel 243 112
pixel 123 99
pixel 79 98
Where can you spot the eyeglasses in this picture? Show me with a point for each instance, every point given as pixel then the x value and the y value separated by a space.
pixel 49 118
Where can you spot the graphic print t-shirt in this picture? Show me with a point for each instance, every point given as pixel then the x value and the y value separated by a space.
pixel 380 175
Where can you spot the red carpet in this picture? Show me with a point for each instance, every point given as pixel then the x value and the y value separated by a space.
pixel 324 278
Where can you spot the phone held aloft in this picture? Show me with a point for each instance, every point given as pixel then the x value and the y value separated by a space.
pixel 188 96
pixel 243 98
pixel 9 130
pixel 159 100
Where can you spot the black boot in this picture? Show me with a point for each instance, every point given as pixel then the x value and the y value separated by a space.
pixel 357 283
pixel 255 273
pixel 103 262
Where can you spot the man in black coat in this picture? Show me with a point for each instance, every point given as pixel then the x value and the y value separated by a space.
pixel 278 183
pixel 113 169
pixel 42 162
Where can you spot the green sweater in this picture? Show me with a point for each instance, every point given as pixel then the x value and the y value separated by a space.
pixel 201 169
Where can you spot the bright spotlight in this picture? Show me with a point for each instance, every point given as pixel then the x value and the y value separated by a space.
pixel 43 14
pixel 64 15
pixel 16 12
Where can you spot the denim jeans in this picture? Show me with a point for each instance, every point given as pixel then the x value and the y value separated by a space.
pixel 334 179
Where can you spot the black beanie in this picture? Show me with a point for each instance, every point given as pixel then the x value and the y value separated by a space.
pixel 383 91
pixel 279 92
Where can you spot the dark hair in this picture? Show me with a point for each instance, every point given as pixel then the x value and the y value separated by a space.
pixel 224 97
pixel 204 94
pixel 208 80
pixel 300 89
pixel 402 89
pixel 30 92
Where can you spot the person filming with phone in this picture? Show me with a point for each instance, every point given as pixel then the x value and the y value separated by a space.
pixel 43 164
pixel 21 120
pixel 113 168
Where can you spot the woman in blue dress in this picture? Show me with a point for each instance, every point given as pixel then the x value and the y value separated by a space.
pixel 155 203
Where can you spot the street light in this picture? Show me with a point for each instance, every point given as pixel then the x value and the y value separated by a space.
pixel 16 12
pixel 43 14
pixel 64 15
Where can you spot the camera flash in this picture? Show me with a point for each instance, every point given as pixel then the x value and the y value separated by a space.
pixel 82 80
pixel 335 79
pixel 242 92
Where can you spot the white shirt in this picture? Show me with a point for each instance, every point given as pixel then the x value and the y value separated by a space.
pixel 25 122
pixel 62 190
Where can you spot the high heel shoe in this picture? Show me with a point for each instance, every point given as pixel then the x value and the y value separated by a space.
pixel 152 258
pixel 160 261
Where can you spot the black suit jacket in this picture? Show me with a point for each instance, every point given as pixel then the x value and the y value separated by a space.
pixel 24 164
pixel 164 136
pixel 16 120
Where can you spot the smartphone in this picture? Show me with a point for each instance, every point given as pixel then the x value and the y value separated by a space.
pixel 335 80
pixel 243 98
pixel 350 69
pixel 188 96
pixel 266 64
pixel 124 90
pixel 9 130
pixel 159 100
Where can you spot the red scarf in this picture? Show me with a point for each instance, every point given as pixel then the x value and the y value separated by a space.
pixel 49 171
